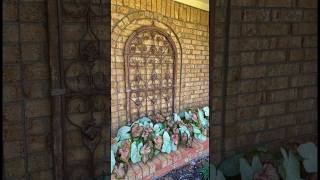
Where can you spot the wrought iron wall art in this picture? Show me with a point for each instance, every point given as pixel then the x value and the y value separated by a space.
pixel 150 70
pixel 84 82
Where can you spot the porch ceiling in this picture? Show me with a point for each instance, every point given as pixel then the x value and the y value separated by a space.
pixel 200 4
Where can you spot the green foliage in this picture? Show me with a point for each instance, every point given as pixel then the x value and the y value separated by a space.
pixel 166 147
pixel 176 117
pixel 123 133
pixel 113 160
pixel 290 166
pixel 309 154
pixel 204 122
pixel 215 173
pixel 158 129
pixel 230 166
pixel 188 115
pixel 135 151
pixel 206 111
pixel 197 133
pixel 145 122
pixel 248 171
pixel 184 129
pixel 204 170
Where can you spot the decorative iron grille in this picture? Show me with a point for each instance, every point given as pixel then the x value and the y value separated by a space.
pixel 81 88
pixel 150 70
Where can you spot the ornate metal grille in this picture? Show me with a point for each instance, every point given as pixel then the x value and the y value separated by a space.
pixel 81 88
pixel 150 67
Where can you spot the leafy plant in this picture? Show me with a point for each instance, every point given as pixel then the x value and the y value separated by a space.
pixel 248 171
pixel 205 171
pixel 123 133
pixel 290 167
pixel 309 154
pixel 216 173
pixel 135 151
pixel 166 147
pixel 231 166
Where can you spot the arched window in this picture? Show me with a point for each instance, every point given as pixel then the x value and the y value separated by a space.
pixel 150 70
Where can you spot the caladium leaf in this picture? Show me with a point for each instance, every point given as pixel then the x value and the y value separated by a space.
pixel 290 165
pixel 230 166
pixel 156 152
pixel 166 147
pixel 158 129
pixel 173 146
pixel 256 164
pixel 206 111
pixel 204 122
pixel 176 117
pixel 196 130
pixel 145 122
pixel 200 137
pixel 215 173
pixel 113 160
pixel 135 151
pixel 246 170
pixel 181 114
pixel 115 147
pixel 197 133
pixel 184 129
pixel 123 133
pixel 268 172
pixel 309 153
pixel 188 115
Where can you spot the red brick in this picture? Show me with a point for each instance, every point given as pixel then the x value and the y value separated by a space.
pixel 152 167
pixel 169 158
pixel 157 162
pixel 163 171
pixel 145 169
pixel 163 160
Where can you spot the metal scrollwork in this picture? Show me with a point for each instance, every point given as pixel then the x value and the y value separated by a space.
pixel 150 66
pixel 86 78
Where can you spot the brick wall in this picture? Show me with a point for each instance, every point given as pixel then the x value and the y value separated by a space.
pixel 187 26
pixel 271 73
pixel 26 103
pixel 271 88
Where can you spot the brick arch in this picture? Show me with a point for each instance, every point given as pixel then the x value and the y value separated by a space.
pixel 120 32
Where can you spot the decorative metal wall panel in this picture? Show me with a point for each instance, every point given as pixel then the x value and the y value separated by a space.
pixel 84 81
pixel 150 66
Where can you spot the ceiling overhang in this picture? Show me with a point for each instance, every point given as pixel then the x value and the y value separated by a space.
pixel 200 4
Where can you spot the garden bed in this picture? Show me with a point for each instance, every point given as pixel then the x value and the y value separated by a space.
pixel 162 164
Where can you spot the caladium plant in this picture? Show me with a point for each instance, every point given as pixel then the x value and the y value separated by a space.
pixel 206 111
pixel 136 130
pixel 309 153
pixel 215 173
pixel 194 117
pixel 166 147
pixel 146 151
pixel 247 171
pixel 158 142
pixel 158 118
pixel 268 172
pixel 135 151
pixel 146 133
pixel 123 133
pixel 121 170
pixel 290 167
pixel 124 151
pixel 147 137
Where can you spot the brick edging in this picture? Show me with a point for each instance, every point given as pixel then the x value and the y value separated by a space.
pixel 164 163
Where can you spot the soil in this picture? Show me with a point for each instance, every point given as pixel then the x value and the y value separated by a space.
pixel 189 171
